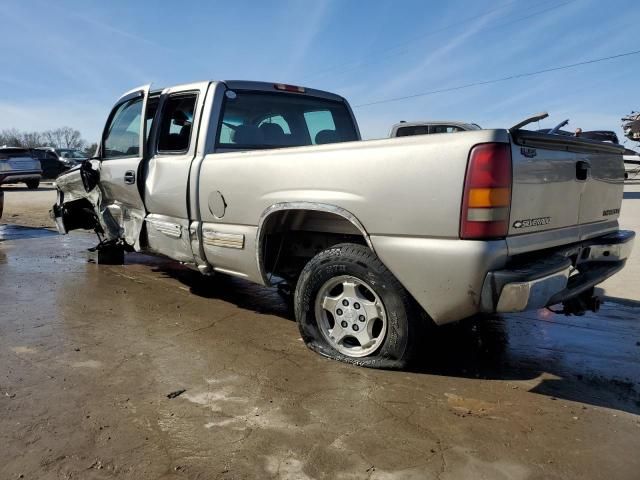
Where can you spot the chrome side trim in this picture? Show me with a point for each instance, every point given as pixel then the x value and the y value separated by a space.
pixel 172 230
pixel 321 207
pixel 218 239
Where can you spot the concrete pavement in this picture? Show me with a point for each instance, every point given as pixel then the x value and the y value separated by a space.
pixel 89 355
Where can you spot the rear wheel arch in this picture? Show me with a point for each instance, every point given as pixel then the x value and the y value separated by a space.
pixel 314 226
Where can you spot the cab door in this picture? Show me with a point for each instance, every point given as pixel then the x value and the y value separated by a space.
pixel 172 150
pixel 122 150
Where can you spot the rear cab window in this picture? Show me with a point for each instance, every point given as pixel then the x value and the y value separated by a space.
pixel 255 120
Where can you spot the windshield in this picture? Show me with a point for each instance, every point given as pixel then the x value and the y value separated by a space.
pixel 270 120
pixel 71 153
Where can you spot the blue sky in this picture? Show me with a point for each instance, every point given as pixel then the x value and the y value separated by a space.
pixel 65 62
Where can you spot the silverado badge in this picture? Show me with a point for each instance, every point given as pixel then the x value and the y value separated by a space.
pixel 532 222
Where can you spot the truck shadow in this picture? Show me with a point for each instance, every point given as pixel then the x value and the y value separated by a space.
pixel 592 359
pixel 242 293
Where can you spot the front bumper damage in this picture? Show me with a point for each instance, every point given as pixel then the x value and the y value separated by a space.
pixel 77 205
pixel 557 276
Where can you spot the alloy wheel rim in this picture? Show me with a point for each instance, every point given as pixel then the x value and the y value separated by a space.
pixel 351 316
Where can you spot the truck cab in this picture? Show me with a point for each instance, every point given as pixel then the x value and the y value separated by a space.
pixel 153 146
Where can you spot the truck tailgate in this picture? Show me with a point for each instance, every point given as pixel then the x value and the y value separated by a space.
pixel 561 184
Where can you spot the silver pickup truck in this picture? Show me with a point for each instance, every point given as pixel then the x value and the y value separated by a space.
pixel 374 239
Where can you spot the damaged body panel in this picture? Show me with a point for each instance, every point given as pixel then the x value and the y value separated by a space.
pixel 77 206
pixel 108 183
pixel 270 182
pixel 122 150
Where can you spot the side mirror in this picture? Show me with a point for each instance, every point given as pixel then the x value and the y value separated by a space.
pixel 90 174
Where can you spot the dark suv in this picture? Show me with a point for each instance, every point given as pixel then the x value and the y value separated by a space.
pixel 54 161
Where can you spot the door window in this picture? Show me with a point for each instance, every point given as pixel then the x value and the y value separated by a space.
pixel 123 135
pixel 176 123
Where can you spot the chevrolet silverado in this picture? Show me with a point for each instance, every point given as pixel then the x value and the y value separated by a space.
pixel 374 239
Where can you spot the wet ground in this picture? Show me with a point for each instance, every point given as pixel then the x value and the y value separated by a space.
pixel 89 356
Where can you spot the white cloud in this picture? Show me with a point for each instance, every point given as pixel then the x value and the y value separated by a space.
pixel 314 16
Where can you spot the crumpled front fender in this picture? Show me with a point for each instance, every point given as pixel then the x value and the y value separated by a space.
pixel 79 203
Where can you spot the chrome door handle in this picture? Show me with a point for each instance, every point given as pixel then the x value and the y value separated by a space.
pixel 130 177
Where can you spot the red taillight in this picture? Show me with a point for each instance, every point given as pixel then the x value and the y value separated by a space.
pixel 288 88
pixel 487 192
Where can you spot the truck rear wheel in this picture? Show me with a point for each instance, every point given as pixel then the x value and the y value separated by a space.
pixel 350 307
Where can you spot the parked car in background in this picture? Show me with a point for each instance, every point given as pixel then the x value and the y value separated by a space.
pixel 54 161
pixel 631 164
pixel 373 238
pixel 18 165
pixel 407 129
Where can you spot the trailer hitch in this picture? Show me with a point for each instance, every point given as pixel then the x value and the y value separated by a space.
pixel 578 305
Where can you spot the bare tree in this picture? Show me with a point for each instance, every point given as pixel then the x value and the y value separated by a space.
pixel 72 138
pixel 11 138
pixel 64 137
pixel 52 138
pixel 31 139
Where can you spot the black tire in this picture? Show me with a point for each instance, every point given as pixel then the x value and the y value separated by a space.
pixel 32 184
pixel 405 319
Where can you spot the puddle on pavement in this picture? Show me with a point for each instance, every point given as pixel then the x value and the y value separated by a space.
pixel 18 232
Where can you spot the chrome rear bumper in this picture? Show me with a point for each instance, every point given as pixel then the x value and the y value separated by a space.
pixel 560 276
